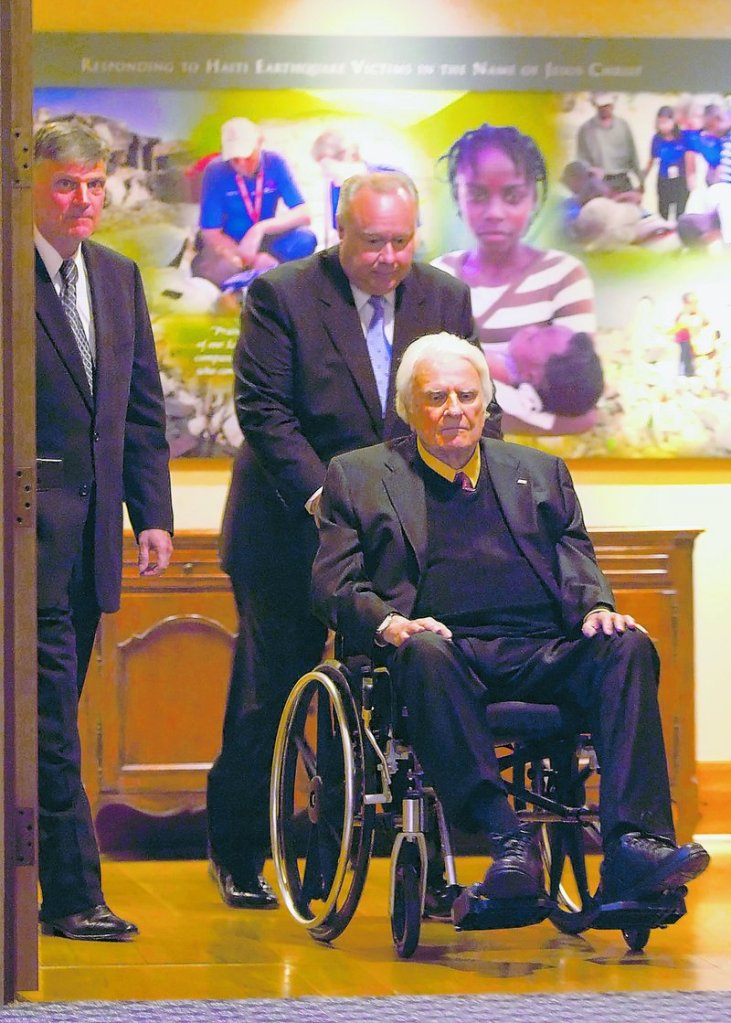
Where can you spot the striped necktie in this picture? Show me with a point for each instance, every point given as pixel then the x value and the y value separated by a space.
pixel 379 349
pixel 69 276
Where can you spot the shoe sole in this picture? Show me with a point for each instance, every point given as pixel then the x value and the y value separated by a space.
pixel 57 932
pixel 671 875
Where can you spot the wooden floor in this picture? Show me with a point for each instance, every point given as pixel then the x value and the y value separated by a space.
pixel 192 946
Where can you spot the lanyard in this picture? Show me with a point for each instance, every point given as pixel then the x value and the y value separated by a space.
pixel 253 209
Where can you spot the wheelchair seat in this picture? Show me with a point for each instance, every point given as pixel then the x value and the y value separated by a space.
pixel 512 720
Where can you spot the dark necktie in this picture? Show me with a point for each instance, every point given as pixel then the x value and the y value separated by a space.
pixel 69 276
pixel 462 480
pixel 379 349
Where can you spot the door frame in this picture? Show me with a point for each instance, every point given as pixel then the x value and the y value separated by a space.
pixel 18 708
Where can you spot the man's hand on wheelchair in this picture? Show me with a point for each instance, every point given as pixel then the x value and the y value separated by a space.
pixel 601 619
pixel 400 628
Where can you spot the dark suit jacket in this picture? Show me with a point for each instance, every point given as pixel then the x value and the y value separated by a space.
pixel 117 441
pixel 305 388
pixel 373 539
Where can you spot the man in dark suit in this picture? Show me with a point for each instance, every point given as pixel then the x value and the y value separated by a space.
pixel 314 377
pixel 100 443
pixel 467 561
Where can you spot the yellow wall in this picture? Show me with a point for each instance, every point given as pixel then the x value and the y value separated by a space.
pixel 660 495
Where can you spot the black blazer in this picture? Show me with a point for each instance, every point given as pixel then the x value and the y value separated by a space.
pixel 111 449
pixel 305 388
pixel 373 534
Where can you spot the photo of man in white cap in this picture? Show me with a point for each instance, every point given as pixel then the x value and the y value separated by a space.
pixel 252 215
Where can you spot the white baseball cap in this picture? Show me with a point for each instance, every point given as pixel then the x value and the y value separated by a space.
pixel 604 99
pixel 239 138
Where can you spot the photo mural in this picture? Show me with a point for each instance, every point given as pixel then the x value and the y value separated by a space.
pixel 581 188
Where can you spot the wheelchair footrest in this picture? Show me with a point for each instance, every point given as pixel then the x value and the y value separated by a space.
pixel 473 912
pixel 658 911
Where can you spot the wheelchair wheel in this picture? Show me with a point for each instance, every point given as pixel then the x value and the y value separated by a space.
pixel 406 900
pixel 322 830
pixel 563 852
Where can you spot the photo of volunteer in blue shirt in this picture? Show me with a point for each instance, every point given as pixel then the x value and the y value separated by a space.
pixel 668 150
pixel 252 214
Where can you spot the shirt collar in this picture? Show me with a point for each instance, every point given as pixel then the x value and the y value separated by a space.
pixel 361 298
pixel 51 258
pixel 471 470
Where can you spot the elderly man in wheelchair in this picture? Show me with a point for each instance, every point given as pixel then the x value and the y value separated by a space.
pixel 463 566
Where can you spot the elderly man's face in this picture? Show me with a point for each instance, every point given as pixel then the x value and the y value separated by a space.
pixel 447 408
pixel 68 199
pixel 377 240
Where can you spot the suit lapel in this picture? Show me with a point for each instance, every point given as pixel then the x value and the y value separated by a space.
pixel 58 330
pixel 106 313
pixel 513 486
pixel 405 488
pixel 342 324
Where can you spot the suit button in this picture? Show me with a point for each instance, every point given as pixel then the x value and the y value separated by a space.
pixel 96 436
pixel 84 490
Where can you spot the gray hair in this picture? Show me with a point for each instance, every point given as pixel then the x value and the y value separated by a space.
pixel 69 141
pixel 437 346
pixel 384 182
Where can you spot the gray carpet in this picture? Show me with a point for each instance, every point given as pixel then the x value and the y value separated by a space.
pixel 650 1007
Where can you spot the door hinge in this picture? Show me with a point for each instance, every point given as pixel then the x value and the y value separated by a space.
pixel 24 496
pixel 25 837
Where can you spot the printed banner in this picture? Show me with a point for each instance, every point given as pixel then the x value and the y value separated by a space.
pixel 607 318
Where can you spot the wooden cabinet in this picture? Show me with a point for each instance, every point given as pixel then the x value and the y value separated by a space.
pixel 650 572
pixel 153 705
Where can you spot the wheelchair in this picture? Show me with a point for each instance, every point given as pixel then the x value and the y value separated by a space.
pixel 341 757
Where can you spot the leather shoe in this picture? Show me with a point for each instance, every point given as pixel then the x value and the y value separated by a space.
pixel 253 893
pixel 96 924
pixel 637 866
pixel 516 871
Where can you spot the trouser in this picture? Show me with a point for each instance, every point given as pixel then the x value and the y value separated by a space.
pixel 279 640
pixel 671 192
pixel 69 869
pixel 609 682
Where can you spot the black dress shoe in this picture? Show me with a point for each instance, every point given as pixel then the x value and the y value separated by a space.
pixel 96 924
pixel 517 869
pixel 254 893
pixel 638 866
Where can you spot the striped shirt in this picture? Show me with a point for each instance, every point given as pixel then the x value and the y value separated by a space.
pixel 555 289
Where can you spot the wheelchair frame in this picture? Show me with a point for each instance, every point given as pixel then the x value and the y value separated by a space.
pixel 338 757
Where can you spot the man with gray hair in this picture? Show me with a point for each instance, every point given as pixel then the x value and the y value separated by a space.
pixel 100 426
pixel 466 560
pixel 321 339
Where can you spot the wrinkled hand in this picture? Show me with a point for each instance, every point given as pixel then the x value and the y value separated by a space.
pixel 608 622
pixel 155 551
pixel 400 628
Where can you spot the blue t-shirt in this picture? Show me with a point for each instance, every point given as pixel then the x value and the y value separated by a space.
pixel 671 154
pixel 222 204
pixel 709 146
